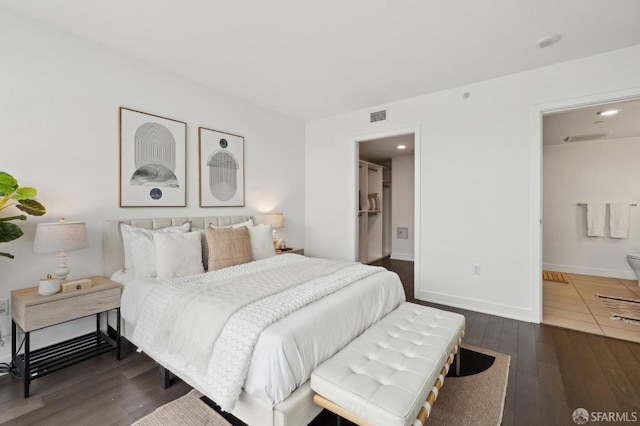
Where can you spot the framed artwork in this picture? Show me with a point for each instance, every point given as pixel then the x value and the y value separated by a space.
pixel 221 158
pixel 152 160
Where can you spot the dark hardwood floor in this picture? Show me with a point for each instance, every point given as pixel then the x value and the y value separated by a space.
pixel 553 371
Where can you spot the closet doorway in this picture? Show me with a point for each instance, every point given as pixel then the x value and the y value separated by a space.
pixel 385 184
pixel 590 154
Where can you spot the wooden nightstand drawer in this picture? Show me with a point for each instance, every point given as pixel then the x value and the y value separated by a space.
pixel 57 311
pixel 32 311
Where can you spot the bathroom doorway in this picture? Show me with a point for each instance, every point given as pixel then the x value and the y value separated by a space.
pixel 590 155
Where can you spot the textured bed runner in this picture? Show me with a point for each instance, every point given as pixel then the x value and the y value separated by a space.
pixel 207 325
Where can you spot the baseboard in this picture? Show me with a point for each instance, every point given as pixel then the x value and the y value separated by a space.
pixel 505 311
pixel 596 272
pixel 399 256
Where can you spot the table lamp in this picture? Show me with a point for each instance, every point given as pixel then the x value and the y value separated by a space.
pixel 60 237
pixel 276 220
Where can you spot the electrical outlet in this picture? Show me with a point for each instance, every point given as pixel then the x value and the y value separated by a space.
pixel 476 269
pixel 4 307
pixel 403 233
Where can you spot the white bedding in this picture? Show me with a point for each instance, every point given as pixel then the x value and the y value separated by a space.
pixel 288 350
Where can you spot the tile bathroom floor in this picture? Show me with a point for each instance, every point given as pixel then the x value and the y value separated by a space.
pixel 576 306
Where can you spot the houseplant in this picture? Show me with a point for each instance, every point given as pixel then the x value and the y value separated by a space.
pixel 11 194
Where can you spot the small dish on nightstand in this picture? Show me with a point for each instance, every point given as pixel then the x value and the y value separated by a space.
pixel 48 286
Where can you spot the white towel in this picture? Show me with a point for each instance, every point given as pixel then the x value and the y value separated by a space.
pixel 595 219
pixel 619 220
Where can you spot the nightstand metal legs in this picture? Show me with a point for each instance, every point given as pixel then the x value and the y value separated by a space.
pixel 27 363
pixel 101 335
pixel 43 361
pixel 22 362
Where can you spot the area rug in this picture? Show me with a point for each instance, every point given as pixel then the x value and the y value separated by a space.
pixel 475 399
pixel 188 410
pixel 559 277
pixel 472 399
pixel 627 310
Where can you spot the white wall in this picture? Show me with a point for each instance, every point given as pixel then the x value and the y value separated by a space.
pixel 59 133
pixel 402 209
pixel 600 171
pixel 479 180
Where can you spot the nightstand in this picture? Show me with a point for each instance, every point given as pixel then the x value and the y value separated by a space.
pixel 31 312
pixel 293 250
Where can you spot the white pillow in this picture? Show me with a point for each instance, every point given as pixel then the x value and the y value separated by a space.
pixel 248 224
pixel 145 251
pixel 178 255
pixel 261 242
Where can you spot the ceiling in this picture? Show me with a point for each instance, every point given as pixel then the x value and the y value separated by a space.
pixel 585 123
pixel 381 151
pixel 309 60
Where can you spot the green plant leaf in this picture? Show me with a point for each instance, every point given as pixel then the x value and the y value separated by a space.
pixel 24 193
pixel 9 232
pixel 5 219
pixel 8 183
pixel 7 179
pixel 4 189
pixel 9 190
pixel 31 207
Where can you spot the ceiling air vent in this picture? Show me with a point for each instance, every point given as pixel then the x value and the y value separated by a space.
pixel 378 116
pixel 587 137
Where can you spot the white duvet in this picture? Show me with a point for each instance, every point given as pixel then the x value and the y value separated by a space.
pixel 286 351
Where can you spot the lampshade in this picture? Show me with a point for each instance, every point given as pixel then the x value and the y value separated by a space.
pixel 276 220
pixel 60 237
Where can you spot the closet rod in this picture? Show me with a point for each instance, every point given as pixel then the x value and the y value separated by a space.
pixel 585 204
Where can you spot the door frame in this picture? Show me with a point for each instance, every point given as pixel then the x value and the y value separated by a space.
pixel 537 112
pixel 415 130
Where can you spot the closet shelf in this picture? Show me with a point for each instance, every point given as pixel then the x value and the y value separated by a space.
pixel 370 222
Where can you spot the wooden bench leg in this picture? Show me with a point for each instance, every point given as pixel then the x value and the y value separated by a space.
pixel 164 376
pixel 458 362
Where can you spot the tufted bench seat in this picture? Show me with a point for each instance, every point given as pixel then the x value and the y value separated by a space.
pixel 391 373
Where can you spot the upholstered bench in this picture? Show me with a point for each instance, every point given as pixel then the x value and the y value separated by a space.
pixel 390 374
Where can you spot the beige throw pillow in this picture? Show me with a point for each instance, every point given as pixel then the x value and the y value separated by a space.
pixel 228 247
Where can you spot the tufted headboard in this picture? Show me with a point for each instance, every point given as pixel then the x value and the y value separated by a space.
pixel 112 247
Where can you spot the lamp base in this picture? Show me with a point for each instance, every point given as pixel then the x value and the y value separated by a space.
pixel 62 270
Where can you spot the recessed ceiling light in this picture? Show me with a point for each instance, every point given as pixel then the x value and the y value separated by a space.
pixel 548 41
pixel 402 147
pixel 608 112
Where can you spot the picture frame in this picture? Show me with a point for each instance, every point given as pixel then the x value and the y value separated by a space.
pixel 221 168
pixel 153 166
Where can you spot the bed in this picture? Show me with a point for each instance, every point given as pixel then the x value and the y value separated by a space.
pixel 276 388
